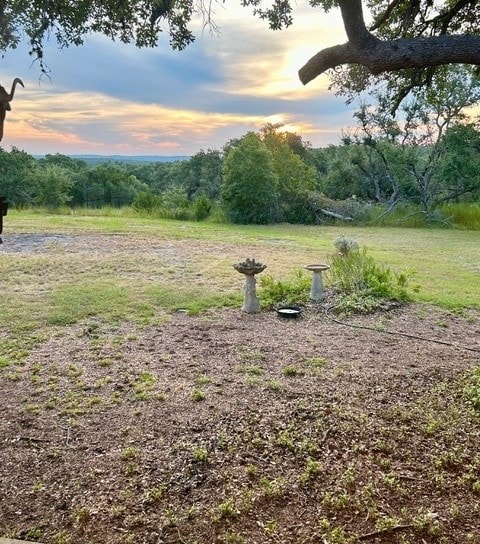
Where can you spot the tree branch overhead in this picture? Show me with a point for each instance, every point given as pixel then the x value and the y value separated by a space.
pixel 386 56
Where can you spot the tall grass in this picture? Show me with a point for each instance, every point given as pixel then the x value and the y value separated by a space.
pixel 465 215
pixel 406 215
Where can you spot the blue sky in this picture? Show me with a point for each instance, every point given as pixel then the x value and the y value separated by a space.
pixel 110 98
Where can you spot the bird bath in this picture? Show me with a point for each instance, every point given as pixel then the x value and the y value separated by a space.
pixel 249 268
pixel 317 291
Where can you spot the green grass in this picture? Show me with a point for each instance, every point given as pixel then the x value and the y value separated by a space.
pixel 464 215
pixel 154 267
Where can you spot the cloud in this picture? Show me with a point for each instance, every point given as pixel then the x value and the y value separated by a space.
pixel 107 97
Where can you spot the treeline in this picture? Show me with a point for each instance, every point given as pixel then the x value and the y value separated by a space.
pixel 265 177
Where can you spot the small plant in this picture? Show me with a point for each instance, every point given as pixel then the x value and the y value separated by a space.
pixel 273 489
pixel 130 453
pixel 251 370
pixel 312 469
pixel 83 516
pixel 203 380
pixel 200 455
pixel 345 245
pixel 472 389
pixel 270 527
pixel 294 291
pixel 291 370
pixel 427 524
pixel 155 494
pixel 197 395
pixel 227 508
pixel 273 385
pixel 334 535
pixel 386 524
pixel 231 537
pixel 316 362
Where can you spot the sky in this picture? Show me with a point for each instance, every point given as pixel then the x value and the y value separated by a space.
pixel 109 98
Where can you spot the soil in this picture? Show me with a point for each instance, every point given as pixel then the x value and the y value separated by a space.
pixel 230 427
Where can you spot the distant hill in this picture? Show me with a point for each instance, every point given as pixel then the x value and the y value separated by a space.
pixel 99 159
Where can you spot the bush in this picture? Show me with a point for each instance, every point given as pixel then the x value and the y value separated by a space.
pixel 360 283
pixel 146 201
pixel 202 207
pixel 277 292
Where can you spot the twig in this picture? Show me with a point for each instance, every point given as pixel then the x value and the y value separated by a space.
pixel 34 439
pixel 384 531
pixel 67 438
pixel 180 537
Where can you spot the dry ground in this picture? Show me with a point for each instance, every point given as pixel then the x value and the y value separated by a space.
pixel 231 428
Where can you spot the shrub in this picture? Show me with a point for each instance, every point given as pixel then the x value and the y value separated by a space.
pixel 146 201
pixel 361 283
pixel 202 207
pixel 293 291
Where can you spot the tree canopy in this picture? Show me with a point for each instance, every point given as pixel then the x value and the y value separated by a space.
pixel 406 38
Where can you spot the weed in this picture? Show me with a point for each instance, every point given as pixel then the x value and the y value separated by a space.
pixel 345 245
pixel 38 486
pixel 386 523
pixel 270 527
pixel 427 524
pixel 251 370
pixel 316 362
pixel 292 370
pixel 35 533
pixel 362 284
pixel 227 509
pixel 131 469
pixel 200 455
pixel 285 439
pixel 312 469
pixel 336 500
pixel 62 537
pixel 83 516
pixel 198 395
pixel 273 385
pixel 472 388
pixel 130 452
pixel 231 537
pixel 155 494
pixel 334 535
pixel 203 380
pixel 273 489
pixel 4 362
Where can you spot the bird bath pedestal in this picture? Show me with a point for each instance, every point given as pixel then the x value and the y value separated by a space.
pixel 251 304
pixel 317 292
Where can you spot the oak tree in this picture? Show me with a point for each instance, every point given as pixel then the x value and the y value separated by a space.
pixel 404 41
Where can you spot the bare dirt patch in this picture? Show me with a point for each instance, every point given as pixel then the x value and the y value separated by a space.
pixel 245 428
